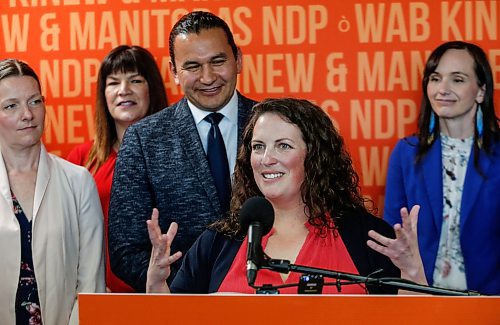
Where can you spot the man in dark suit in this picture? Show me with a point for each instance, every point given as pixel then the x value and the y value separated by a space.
pixel 163 163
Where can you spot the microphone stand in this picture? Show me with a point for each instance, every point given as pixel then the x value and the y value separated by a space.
pixel 284 266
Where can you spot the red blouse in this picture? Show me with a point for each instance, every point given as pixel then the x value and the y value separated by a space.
pixel 322 252
pixel 103 179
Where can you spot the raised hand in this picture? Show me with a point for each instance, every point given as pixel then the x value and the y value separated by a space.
pixel 160 261
pixel 403 251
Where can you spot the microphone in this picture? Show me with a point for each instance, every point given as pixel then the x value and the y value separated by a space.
pixel 257 214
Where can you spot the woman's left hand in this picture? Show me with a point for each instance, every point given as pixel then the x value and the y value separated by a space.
pixel 403 251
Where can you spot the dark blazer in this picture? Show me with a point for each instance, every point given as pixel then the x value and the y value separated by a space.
pixel 409 184
pixel 161 164
pixel 206 264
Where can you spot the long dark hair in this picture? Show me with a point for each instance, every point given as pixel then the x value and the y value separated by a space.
pixel 330 187
pixel 484 78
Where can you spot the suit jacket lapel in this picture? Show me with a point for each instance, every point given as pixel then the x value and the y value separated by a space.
pixel 431 171
pixel 243 115
pixel 472 184
pixel 42 180
pixel 191 145
pixel 4 184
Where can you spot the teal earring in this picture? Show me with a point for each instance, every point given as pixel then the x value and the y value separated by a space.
pixel 432 127
pixel 479 125
pixel 432 123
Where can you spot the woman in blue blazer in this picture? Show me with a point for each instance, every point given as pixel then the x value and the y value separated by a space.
pixel 451 169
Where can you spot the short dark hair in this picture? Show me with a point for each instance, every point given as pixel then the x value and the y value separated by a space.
pixel 193 23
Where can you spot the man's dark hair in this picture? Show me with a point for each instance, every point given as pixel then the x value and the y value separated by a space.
pixel 195 22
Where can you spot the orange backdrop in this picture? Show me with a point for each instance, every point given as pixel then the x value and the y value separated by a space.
pixel 360 60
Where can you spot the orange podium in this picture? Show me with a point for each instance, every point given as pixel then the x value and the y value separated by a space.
pixel 285 309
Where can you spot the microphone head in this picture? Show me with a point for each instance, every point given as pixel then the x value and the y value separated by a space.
pixel 257 209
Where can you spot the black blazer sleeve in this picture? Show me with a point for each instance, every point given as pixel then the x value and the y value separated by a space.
pixel 206 264
pixel 353 229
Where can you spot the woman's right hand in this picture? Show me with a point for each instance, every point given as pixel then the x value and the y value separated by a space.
pixel 159 264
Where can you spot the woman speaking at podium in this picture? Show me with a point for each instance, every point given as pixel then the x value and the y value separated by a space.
pixel 292 155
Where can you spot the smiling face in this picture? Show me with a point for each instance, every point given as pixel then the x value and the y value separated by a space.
pixel 22 112
pixel 206 68
pixel 277 159
pixel 127 97
pixel 453 89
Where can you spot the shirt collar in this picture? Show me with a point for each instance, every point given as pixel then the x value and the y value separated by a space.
pixel 230 110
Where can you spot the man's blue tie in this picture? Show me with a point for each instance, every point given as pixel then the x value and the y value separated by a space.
pixel 217 160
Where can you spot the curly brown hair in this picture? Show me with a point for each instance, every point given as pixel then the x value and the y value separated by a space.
pixel 330 187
